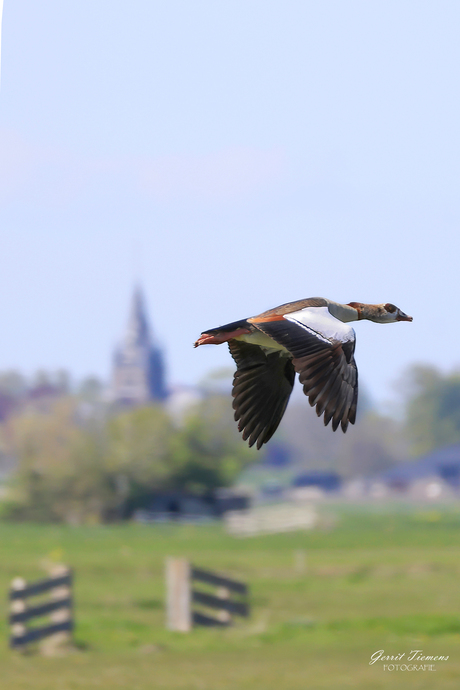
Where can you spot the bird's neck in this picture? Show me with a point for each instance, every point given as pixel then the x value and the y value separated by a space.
pixel 346 312
pixel 370 312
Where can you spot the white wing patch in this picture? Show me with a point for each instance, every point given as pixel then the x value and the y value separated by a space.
pixel 262 340
pixel 322 324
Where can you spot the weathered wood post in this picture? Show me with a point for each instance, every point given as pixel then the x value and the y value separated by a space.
pixel 182 597
pixel 59 641
pixel 18 606
pixel 178 599
pixel 58 607
pixel 224 615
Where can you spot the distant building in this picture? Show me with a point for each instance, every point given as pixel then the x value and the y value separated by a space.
pixel 169 505
pixel 138 369
pixel 277 455
pixel 314 485
pixel 434 476
pixel 442 463
pixel 328 481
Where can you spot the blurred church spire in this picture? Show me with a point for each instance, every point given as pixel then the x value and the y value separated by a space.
pixel 138 369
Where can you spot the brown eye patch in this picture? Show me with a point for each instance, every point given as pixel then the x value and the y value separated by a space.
pixel 390 307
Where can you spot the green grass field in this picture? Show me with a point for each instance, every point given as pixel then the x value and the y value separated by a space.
pixel 380 579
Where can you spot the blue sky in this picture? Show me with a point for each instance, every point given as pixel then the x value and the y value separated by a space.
pixel 230 156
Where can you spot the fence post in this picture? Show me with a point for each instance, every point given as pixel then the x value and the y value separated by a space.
pixel 178 599
pixel 18 606
pixel 222 615
pixel 56 643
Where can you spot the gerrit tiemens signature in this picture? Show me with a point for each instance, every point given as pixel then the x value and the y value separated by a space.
pixel 414 655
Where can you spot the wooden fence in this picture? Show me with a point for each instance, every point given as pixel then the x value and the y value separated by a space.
pixel 227 597
pixel 58 606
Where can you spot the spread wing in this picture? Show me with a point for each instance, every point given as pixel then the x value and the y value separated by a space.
pixel 325 364
pixel 262 385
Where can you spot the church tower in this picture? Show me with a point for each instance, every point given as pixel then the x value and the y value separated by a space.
pixel 138 369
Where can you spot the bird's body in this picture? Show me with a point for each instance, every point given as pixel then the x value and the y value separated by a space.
pixel 311 337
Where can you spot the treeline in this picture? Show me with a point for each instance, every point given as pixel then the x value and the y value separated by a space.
pixel 425 416
pixel 69 456
pixel 74 458
pixel 18 392
pixel 432 408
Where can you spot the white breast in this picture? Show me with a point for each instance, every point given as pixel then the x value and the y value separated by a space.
pixel 319 319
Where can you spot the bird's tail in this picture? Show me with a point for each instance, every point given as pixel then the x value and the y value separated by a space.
pixel 216 336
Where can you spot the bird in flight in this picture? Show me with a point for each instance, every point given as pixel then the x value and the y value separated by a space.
pixel 311 337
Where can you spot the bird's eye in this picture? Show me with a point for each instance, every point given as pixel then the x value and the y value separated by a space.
pixel 390 307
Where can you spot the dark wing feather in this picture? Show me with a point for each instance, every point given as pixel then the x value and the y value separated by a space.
pixel 262 385
pixel 327 369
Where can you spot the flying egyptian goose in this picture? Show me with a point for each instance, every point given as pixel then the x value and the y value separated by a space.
pixel 311 337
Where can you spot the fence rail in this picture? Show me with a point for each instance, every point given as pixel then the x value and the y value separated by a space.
pixel 17 591
pixel 182 595
pixel 218 580
pixel 58 608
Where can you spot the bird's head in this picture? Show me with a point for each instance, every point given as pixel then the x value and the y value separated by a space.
pixel 380 313
pixel 392 313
